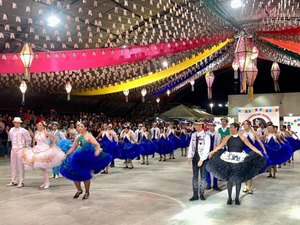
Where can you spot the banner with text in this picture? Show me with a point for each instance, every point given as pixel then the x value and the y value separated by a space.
pixel 259 115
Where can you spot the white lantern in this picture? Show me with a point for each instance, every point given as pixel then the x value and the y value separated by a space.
pixel 168 92
pixel 143 92
pixel 126 93
pixel 157 100
pixel 192 84
pixel 23 88
pixel 68 88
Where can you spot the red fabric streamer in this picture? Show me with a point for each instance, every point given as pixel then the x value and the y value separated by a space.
pixel 95 58
pixel 288 45
pixel 289 31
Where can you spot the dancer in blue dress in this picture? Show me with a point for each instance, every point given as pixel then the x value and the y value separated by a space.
pixel 172 137
pixel 254 139
pixel 149 148
pixel 109 142
pixel 128 149
pixel 278 150
pixel 233 165
pixel 82 158
pixel 183 136
pixel 165 146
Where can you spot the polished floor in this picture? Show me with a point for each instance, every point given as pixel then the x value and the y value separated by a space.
pixel 149 194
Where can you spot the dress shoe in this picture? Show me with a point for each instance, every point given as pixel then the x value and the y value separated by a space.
pixel 11 184
pixel 269 176
pixel 237 202
pixel 86 196
pixel 202 197
pixel 245 190
pixel 208 187
pixel 20 185
pixel 217 189
pixel 229 201
pixel 194 198
pixel 77 194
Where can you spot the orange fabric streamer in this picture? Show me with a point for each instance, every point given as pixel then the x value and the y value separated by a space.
pixel 288 45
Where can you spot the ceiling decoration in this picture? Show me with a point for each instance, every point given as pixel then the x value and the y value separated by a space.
pixel 101 45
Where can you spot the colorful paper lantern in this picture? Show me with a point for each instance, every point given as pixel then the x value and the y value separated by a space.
pixel 275 72
pixel 209 77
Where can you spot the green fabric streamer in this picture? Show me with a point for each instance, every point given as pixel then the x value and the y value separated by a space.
pixel 211 4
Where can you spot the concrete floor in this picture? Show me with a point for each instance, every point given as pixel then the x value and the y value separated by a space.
pixel 155 194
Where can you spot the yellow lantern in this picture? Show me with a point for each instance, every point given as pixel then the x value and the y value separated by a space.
pixel 26 56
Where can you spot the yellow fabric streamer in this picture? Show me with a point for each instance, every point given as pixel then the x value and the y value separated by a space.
pixel 152 77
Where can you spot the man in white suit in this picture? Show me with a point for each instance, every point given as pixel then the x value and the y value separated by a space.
pixel 20 138
pixel 197 155
pixel 215 140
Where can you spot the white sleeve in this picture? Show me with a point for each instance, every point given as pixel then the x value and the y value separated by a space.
pixel 190 150
pixel 204 154
pixel 27 138
pixel 62 135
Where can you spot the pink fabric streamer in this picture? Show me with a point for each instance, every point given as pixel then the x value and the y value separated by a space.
pixel 95 58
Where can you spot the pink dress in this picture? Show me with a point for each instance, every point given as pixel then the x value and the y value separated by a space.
pixel 41 156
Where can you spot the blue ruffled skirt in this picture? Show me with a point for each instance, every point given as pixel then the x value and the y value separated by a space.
pixel 80 165
pixel 277 152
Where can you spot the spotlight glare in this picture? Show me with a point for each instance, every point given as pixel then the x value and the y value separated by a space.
pixel 53 21
pixel 236 4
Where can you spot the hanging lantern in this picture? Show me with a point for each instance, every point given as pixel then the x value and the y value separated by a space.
pixel 168 92
pixel 68 88
pixel 275 72
pixel 192 84
pixel 209 77
pixel 143 92
pixel 23 88
pixel 26 56
pixel 243 53
pixel 235 67
pixel 126 93
pixel 251 73
pixel 157 100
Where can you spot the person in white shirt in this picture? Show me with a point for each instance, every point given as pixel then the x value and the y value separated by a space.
pixel 20 138
pixel 155 132
pixel 215 140
pixel 197 154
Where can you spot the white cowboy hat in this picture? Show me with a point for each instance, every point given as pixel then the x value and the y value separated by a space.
pixel 17 120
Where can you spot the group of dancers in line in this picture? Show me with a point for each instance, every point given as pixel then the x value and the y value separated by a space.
pixel 239 156
pixel 78 159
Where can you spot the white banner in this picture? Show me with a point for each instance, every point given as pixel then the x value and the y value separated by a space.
pixel 259 114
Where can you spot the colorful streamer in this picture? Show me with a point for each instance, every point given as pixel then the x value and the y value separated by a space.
pixel 288 45
pixel 56 61
pixel 153 77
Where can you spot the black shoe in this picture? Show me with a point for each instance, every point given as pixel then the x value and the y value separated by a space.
pixel 194 198
pixel 274 177
pixel 111 166
pixel 86 196
pixel 269 176
pixel 77 194
pixel 237 202
pixel 208 188
pixel 202 197
pixel 217 189
pixel 229 201
pixel 164 160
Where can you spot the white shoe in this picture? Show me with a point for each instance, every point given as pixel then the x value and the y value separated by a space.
pixel 11 184
pixel 20 185
pixel 43 185
pixel 56 177
pixel 47 185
